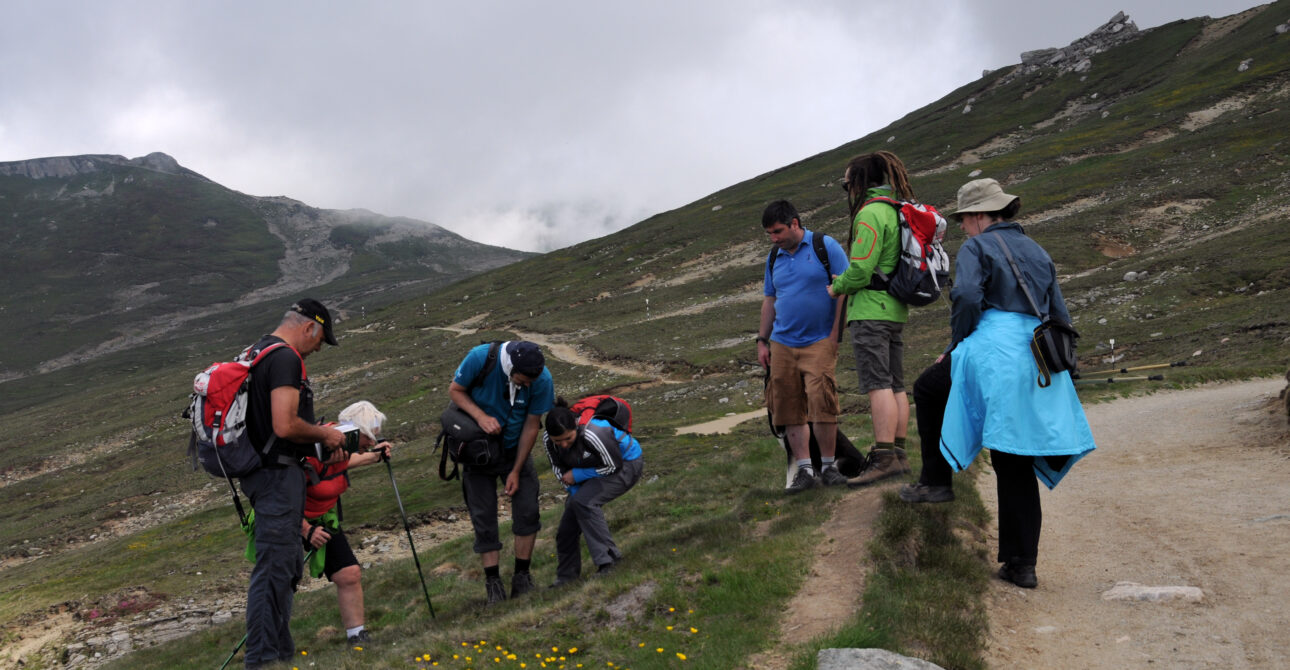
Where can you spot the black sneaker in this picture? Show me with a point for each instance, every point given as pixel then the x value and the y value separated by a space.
pixel 604 570
pixel 802 481
pixel 924 493
pixel 1021 575
pixel 496 590
pixel 521 583
pixel 561 582
pixel 360 638
pixel 830 476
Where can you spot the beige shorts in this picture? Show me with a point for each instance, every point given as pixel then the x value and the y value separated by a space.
pixel 802 386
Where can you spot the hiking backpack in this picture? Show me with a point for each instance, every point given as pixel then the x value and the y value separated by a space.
pixel 221 393
pixel 615 410
pixel 923 269
pixel 455 424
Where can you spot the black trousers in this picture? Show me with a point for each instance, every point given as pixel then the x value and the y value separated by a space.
pixel 1019 514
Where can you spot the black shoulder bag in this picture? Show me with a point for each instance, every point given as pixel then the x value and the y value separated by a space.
pixel 1053 342
pixel 463 440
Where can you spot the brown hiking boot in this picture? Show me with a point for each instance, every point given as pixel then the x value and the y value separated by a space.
pixel 882 464
pixel 904 460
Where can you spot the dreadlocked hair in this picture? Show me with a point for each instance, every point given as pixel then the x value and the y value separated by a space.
pixel 876 169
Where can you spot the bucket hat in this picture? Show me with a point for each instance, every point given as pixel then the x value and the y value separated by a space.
pixel 982 195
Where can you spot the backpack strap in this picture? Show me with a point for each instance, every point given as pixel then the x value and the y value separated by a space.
pixel 880 280
pixel 817 244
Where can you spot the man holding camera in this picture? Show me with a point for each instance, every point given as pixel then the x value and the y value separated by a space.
pixel 280 414
pixel 507 401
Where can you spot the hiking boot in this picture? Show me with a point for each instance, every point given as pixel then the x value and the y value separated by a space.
pixel 496 590
pixel 521 583
pixel 830 476
pixel 605 570
pixel 561 582
pixel 903 459
pixel 802 481
pixel 883 463
pixel 360 638
pixel 925 493
pixel 1021 575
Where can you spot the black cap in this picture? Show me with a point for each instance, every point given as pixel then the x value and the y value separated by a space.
pixel 314 310
pixel 526 358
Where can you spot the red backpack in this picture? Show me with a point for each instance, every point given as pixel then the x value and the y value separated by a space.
pixel 613 409
pixel 220 396
pixel 923 269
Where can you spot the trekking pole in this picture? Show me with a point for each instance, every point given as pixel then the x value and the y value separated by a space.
pixel 1113 380
pixel 408 528
pixel 243 640
pixel 1137 368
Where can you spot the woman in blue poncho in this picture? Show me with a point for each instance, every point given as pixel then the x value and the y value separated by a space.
pixel 994 402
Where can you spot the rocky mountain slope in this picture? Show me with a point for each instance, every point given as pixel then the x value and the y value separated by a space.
pixel 139 248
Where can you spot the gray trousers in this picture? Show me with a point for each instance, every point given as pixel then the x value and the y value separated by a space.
pixel 278 496
pixel 583 517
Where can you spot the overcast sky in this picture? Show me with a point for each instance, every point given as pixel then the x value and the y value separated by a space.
pixel 532 125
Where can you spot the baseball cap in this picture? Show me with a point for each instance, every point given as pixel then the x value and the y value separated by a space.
pixel 313 309
pixel 526 358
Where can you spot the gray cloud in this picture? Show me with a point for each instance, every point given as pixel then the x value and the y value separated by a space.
pixel 531 125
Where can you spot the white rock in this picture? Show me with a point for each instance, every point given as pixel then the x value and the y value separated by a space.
pixel 716 208
pixel 1138 592
pixel 891 139
pixel 1281 29
pixel 869 659
pixel 974 173
pixel 1130 276
pixel 1245 65
pixel 967 108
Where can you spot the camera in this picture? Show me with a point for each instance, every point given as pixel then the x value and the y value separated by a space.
pixel 352 436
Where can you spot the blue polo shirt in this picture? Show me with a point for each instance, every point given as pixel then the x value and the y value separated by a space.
pixel 493 394
pixel 803 309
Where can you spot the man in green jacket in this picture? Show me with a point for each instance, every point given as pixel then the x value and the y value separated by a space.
pixel 875 317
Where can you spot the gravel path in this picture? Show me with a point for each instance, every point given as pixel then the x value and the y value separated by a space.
pixel 1186 488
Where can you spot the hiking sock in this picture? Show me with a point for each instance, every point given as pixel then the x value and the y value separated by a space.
pixel 805 464
pixel 351 632
pixel 884 445
pixel 826 462
pixel 522 565
pixel 493 571
pixel 900 443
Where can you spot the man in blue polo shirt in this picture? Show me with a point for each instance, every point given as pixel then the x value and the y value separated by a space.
pixel 509 402
pixel 798 343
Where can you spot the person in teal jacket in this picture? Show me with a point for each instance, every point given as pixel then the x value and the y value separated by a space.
pixel 876 318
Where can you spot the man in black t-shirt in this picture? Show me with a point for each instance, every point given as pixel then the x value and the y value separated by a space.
pixel 281 410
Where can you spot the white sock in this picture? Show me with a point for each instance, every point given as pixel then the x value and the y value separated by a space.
pixel 351 632
pixel 806 465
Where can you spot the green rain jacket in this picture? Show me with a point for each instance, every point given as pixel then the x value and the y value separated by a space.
pixel 876 245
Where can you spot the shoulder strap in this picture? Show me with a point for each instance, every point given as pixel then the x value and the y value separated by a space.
pixel 489 364
pixel 1017 273
pixel 817 243
pixel 884 199
pixel 821 252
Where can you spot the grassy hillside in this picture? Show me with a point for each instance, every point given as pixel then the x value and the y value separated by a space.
pixel 1162 159
pixel 118 252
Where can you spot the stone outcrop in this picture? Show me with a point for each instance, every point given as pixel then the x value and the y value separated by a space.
pixel 69 166
pixel 1077 57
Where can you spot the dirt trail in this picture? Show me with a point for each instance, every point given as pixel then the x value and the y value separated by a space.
pixel 1186 488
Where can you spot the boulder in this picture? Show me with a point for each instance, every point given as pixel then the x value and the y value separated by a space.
pixel 869 659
